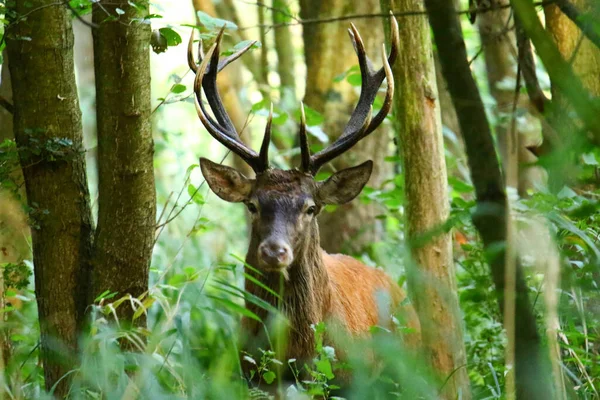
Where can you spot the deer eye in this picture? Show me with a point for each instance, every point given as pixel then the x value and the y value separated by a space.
pixel 311 210
pixel 252 208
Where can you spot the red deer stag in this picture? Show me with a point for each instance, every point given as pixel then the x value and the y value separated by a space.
pixel 284 244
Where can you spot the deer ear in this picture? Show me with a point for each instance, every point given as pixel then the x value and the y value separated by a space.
pixel 226 182
pixel 345 185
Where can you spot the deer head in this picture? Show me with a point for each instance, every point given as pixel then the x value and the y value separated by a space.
pixel 284 204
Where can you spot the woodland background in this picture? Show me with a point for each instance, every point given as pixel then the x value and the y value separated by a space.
pixel 483 201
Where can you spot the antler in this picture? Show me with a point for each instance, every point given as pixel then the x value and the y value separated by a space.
pixel 361 124
pixel 223 129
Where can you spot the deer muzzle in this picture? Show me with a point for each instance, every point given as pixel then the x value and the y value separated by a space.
pixel 275 254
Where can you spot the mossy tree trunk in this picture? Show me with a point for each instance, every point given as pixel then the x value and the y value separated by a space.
pixel 584 57
pixel 490 218
pixel 432 281
pixel 6 118
pixel 47 127
pixel 127 201
pixel 329 53
pixel 571 43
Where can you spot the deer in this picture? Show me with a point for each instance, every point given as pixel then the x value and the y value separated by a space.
pixel 284 247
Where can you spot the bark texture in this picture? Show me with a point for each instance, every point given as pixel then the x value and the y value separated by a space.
pixel 432 283
pixel 575 47
pixel 127 201
pixel 48 119
pixel 490 218
pixel 329 53
pixel 6 118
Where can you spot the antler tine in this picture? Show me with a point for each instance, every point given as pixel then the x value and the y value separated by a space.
pixel 190 53
pixel 360 124
pixel 304 149
pixel 264 148
pixel 389 95
pixel 210 87
pixel 225 134
pixel 394 39
pixel 223 63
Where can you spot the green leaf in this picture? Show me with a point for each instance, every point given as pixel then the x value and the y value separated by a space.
pixel 261 285
pixel 213 24
pixel 280 118
pixel 146 304
pixel 313 117
pixel 324 367
pixel 105 296
pixel 263 104
pixel 281 12
pixel 241 45
pixel 459 185
pixel 191 168
pixel 351 70
pixel 269 377
pixel 354 79
pixel 172 37
pixel 589 159
pixel 178 88
pixel 195 195
pixel 119 11
pixel 566 192
pixel 235 307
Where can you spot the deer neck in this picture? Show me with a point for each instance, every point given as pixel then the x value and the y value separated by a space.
pixel 304 290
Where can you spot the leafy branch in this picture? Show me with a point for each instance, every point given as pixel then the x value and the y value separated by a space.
pixel 412 13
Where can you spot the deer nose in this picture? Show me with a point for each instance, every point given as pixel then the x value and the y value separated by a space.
pixel 275 253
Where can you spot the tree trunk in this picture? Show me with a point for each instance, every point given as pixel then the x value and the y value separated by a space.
pixel 585 56
pixel 6 118
pixel 284 47
pixel 126 201
pixel 490 218
pixel 263 76
pixel 47 127
pixel 432 283
pixel 329 52
pixel 11 239
pixel 496 29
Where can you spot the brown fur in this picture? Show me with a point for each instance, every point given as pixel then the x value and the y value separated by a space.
pixel 337 289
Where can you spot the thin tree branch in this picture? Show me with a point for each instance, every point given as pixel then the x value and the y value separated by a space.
pixel 79 17
pixel 275 10
pixel 226 9
pixel 526 63
pixel 416 13
pixel 7 105
pixel 585 24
